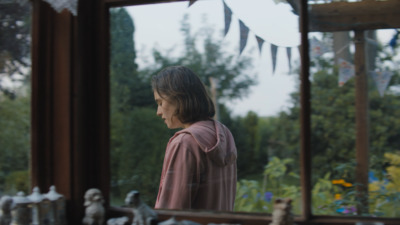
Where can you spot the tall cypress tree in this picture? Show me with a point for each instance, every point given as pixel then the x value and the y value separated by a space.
pixel 128 90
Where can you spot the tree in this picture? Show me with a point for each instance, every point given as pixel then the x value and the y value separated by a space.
pixel 15 45
pixel 14 100
pixel 137 160
pixel 333 122
pixel 211 61
pixel 14 142
pixel 129 89
pixel 246 131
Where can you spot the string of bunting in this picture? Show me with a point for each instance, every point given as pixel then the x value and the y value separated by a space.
pixel 346 68
pixel 244 34
pixel 317 49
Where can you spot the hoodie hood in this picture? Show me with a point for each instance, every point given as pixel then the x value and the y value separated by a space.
pixel 215 140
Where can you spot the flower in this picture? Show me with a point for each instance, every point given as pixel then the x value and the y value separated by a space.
pixel 340 181
pixel 338 196
pixel 268 196
pixel 347 184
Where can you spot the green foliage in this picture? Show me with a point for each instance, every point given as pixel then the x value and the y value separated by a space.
pixel 249 198
pixel 329 196
pixel 332 123
pixel 14 140
pixel 276 170
pixel 246 131
pixel 139 138
pixel 385 193
pixel 333 146
pixel 17 181
pixel 256 196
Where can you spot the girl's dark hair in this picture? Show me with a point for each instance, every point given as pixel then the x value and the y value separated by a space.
pixel 182 86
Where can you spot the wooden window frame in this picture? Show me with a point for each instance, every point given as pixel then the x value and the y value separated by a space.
pixel 70 113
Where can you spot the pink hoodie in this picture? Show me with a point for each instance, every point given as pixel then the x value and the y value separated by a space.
pixel 199 170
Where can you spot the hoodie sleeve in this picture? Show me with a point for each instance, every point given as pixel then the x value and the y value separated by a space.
pixel 181 174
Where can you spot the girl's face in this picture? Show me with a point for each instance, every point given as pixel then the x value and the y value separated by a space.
pixel 166 110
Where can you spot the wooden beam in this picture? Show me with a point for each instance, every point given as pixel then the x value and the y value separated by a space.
pixel 121 3
pixel 51 69
pixel 344 16
pixel 305 117
pixel 362 128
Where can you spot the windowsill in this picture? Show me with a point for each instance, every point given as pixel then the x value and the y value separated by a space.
pixel 206 217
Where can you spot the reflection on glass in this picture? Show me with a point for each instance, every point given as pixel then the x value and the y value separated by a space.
pixel 355 107
pixel 15 42
pixel 254 82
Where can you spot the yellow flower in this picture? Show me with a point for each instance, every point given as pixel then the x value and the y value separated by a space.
pixel 340 181
pixel 347 185
pixel 338 196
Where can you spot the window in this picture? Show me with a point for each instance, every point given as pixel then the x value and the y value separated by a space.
pixel 257 92
pixel 354 103
pixel 15 62
pixel 75 50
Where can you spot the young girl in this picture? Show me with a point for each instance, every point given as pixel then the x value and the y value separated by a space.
pixel 199 170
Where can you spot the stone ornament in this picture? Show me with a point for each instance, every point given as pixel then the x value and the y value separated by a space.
pixel 58 208
pixel 20 212
pixel 94 212
pixel 282 214
pixel 224 224
pixel 118 221
pixel 142 213
pixel 40 207
pixel 173 221
pixel 5 210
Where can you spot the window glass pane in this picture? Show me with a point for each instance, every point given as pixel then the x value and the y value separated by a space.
pixel 15 43
pixel 256 90
pixel 355 110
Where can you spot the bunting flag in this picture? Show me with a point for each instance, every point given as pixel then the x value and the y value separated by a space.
pixel 191 2
pixel 60 5
pixel 244 33
pixel 393 41
pixel 346 71
pixel 382 79
pixel 317 48
pixel 289 56
pixel 274 51
pixel 228 17
pixel 260 42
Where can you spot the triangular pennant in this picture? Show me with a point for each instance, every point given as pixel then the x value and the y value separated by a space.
pixel 191 2
pixel 60 5
pixel 274 51
pixel 244 33
pixel 382 79
pixel 317 48
pixel 260 42
pixel 346 71
pixel 393 41
pixel 228 18
pixel 299 47
pixel 289 56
